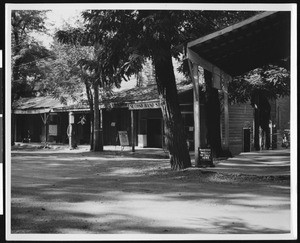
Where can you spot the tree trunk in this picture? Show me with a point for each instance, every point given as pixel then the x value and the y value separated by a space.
pixel 268 141
pixel 92 130
pixel 256 122
pixel 213 111
pixel 166 84
pixel 91 104
pixel 264 116
pixel 97 145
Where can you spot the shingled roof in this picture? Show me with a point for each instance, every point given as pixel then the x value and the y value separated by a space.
pixel 116 99
pixel 141 94
pixel 36 104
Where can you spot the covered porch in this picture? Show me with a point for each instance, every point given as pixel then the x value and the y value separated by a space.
pixel 260 40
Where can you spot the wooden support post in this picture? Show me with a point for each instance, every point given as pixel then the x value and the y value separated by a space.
pixel 45 124
pixel 70 129
pixel 101 129
pixel 132 131
pixel 196 101
pixel 226 79
pixel 14 118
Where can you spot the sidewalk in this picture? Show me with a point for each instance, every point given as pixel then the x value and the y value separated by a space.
pixel 263 163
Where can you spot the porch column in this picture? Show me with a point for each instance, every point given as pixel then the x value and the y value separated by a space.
pixel 45 124
pixel 132 131
pixel 226 79
pixel 196 102
pixel 70 130
pixel 101 129
pixel 14 119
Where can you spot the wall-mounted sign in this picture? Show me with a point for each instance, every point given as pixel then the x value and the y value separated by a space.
pixel 52 130
pixel 123 137
pixel 144 105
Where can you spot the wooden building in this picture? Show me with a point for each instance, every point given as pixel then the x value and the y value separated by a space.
pixel 233 51
pixel 44 119
pixel 136 111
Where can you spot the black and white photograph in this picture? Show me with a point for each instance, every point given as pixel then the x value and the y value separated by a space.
pixel 150 121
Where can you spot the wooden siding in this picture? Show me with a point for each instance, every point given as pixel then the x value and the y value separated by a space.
pixel 240 115
pixel 121 122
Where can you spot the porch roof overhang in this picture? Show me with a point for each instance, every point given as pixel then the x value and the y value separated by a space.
pixel 262 39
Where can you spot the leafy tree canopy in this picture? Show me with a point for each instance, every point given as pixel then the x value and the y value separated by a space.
pixel 65 77
pixel 271 81
pixel 144 29
pixel 27 53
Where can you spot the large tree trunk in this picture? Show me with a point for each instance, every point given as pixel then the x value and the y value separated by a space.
pixel 92 130
pixel 15 76
pixel 255 104
pixel 262 115
pixel 213 112
pixel 97 145
pixel 166 84
pixel 91 104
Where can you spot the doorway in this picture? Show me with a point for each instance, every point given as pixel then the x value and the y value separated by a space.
pixel 154 133
pixel 246 139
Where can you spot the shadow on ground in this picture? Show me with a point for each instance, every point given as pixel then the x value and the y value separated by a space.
pixel 120 192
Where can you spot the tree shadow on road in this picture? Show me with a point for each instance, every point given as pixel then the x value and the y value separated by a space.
pixel 60 193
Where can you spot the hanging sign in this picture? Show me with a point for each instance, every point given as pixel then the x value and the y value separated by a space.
pixel 144 105
pixel 123 137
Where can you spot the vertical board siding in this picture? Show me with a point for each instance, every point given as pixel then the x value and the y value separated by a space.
pixel 239 116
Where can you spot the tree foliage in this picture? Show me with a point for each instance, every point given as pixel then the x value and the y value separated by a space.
pixel 271 81
pixel 66 79
pixel 259 86
pixel 27 53
pixel 109 65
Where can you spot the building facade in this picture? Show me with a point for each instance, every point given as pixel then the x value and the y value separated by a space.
pixel 137 112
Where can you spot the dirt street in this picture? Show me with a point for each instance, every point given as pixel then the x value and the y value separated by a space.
pixel 120 192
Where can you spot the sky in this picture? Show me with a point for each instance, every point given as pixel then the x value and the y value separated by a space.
pixel 56 18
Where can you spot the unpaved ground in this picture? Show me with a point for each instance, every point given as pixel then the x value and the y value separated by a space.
pixel 56 191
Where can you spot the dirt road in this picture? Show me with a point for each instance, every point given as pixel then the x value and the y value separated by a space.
pixel 56 191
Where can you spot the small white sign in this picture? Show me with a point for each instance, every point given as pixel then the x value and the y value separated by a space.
pixel 123 138
pixel 52 130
